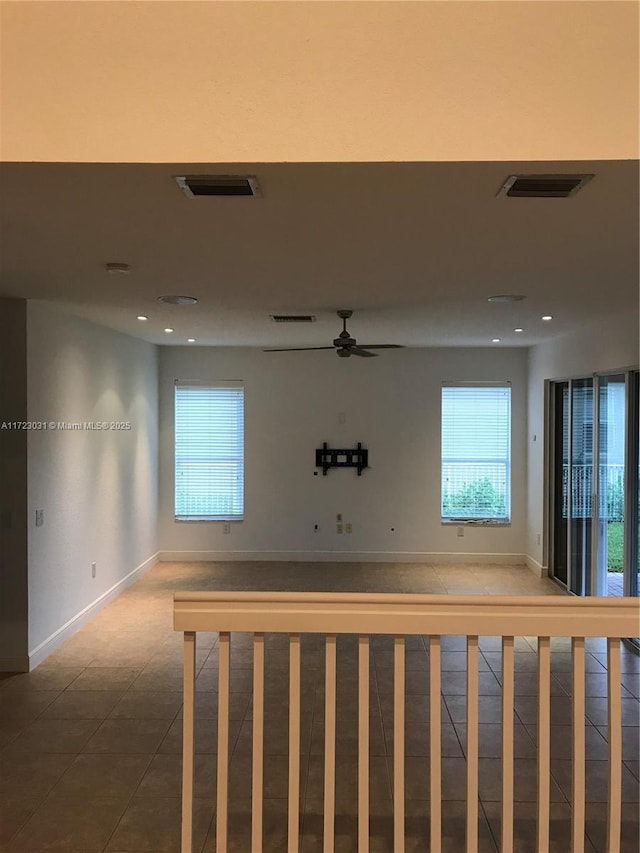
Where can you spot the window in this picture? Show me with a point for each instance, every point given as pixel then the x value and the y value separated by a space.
pixel 209 430
pixel 476 452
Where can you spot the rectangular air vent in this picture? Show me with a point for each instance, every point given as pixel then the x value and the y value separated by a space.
pixel 293 318
pixel 218 185
pixel 543 186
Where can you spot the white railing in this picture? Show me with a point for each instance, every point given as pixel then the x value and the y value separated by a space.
pixel 610 489
pixel 331 614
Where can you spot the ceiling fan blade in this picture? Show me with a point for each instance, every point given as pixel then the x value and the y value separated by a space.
pixel 362 352
pixel 294 349
pixel 382 346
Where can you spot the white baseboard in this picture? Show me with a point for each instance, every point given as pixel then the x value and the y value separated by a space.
pixel 537 568
pixel 340 557
pixel 49 645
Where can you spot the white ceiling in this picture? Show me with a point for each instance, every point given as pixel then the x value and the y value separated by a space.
pixel 285 82
pixel 414 249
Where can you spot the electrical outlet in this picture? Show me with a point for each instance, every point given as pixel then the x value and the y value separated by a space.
pixel 460 532
pixel 338 528
pixel 538 538
pixel 39 517
pixel 226 528
pixel 348 528
pixel 93 570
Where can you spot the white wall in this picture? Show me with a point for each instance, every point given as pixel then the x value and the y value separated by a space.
pixel 292 405
pixel 98 489
pixel 611 344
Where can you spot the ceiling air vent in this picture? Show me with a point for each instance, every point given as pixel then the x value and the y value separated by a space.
pixel 543 186
pixel 293 318
pixel 218 185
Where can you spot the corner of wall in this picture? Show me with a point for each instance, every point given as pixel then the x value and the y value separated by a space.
pixel 14 595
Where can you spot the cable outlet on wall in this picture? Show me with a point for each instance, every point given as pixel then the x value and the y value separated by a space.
pixel 460 532
pixel 339 516
pixel 226 528
pixel 39 517
pixel 338 528
pixel 93 570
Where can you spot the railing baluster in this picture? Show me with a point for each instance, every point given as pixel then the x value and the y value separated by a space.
pixel 614 813
pixel 472 744
pixel 363 744
pixel 188 738
pixel 290 614
pixel 329 744
pixel 578 745
pixel 224 644
pixel 398 743
pixel 544 739
pixel 294 742
pixel 435 744
pixel 257 775
pixel 507 744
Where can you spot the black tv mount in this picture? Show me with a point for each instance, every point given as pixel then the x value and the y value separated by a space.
pixel 350 457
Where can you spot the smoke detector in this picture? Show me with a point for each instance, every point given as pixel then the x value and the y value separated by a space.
pixel 178 300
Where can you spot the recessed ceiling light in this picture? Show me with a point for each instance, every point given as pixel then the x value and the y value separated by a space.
pixel 506 297
pixel 547 317
pixel 114 268
pixel 178 300
pixel 142 317
pixel 495 340
pixel 518 330
pixel 168 330
pixel 191 340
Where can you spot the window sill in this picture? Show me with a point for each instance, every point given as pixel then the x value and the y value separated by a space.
pixel 474 522
pixel 216 519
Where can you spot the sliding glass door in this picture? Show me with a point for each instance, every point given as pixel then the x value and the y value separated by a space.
pixel 610 522
pixel 580 485
pixel 632 500
pixel 595 484
pixel 560 480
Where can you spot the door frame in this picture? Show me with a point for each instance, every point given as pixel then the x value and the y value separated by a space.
pixel 632 422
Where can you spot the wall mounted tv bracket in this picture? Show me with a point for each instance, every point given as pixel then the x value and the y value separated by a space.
pixel 349 457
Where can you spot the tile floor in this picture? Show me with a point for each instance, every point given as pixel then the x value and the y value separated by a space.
pixel 90 741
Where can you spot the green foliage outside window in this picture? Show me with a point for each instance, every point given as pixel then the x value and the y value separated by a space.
pixel 615 535
pixel 479 498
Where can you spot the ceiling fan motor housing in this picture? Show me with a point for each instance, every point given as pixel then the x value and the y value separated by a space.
pixel 344 340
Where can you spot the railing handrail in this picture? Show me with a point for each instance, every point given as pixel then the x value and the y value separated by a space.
pixel 406 613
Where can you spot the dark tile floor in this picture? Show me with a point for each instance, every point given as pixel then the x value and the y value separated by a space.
pixel 90 741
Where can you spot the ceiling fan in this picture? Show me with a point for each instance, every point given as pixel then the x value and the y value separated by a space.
pixel 344 344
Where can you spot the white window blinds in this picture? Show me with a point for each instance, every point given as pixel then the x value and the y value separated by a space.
pixel 209 448
pixel 476 452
